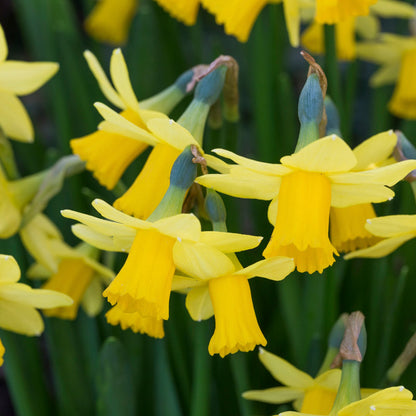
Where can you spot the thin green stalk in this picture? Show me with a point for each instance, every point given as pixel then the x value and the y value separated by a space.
pixel 239 369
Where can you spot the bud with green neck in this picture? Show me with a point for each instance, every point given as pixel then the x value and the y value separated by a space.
pixel 351 352
pixel 215 208
pixel 182 176
pixel 206 94
pixel 333 125
pixel 167 99
pixel 310 111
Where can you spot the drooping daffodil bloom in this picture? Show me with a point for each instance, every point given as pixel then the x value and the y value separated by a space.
pixel 347 225
pixel 392 231
pixel 18 302
pixel 310 395
pixel 302 189
pixel 219 286
pixel 390 401
pixel 19 78
pixel 396 55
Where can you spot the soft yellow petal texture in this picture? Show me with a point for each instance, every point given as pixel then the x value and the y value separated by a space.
pixel 330 379
pixel 19 318
pixel 23 78
pixel 37 271
pixel 105 86
pixel 333 11
pixel 110 20
pixel 379 53
pixel 3 46
pixel 345 195
pixel 121 79
pixel 254 165
pixel 180 283
pixel 327 155
pixel 284 372
pixel 201 261
pixel 9 269
pixel 181 226
pixel 198 303
pixel 272 210
pixel 172 133
pixel 2 351
pixel 185 11
pixel 392 225
pixel 217 164
pixel 382 248
pixel 229 242
pixel 92 301
pixel 14 119
pixel 274 395
pixel 393 8
pixel 250 185
pixel 276 268
pixel 385 75
pixel 367 27
pixel 291 10
pixel 236 327
pixel 9 210
pixel 374 150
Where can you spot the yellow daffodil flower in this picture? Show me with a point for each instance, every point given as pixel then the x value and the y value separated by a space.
pixel 14 196
pixel 2 350
pixel 108 153
pixel 392 230
pixel 390 401
pixel 79 275
pixel 396 56
pixel 367 27
pixel 219 286
pixel 19 78
pixel 334 11
pixel 347 225
pixel 185 11
pixel 310 395
pixel 302 189
pixel 18 301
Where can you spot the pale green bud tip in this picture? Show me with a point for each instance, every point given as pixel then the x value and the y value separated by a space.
pixel 214 206
pixel 333 120
pixel 311 102
pixel 337 332
pixel 209 88
pixel 183 171
pixel 183 80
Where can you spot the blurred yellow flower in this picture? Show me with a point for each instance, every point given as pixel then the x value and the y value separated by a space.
pixel 2 350
pixel 334 11
pixel 302 189
pixel 19 78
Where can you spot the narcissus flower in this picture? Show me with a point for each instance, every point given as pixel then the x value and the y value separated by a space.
pixel 302 189
pixel 310 395
pixel 219 286
pixel 19 78
pixel 2 350
pixel 396 55
pixel 390 401
pixel 334 11
pixel 347 225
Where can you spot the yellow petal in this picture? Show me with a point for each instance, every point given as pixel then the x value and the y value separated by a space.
pixel 9 212
pixel 284 372
pixel 378 53
pixel 172 133
pixel 180 283
pixel 256 166
pixel 274 395
pixel 276 268
pixel 393 8
pixel 3 46
pixel 121 80
pixel 382 248
pixel 23 78
pixel 37 271
pixel 93 301
pixel 201 261
pixel 344 195
pixel 198 303
pixel 330 379
pixel 368 27
pixel 147 115
pixel 217 164
pixel 38 298
pixel 117 124
pixel 181 226
pixel 14 119
pixel 329 154
pixel 106 88
pixel 392 225
pixel 185 10
pixel 292 18
pixel 229 242
pixel 249 185
pixel 385 75
pixel 18 318
pixel 272 211
pixel 374 150
pixel 9 269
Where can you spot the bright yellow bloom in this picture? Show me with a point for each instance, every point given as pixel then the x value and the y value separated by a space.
pixel 185 11
pixel 310 395
pixel 136 322
pixel 396 55
pixel 107 152
pixel 219 286
pixel 14 196
pixel 77 274
pixel 110 20
pixel 302 189
pixel 347 225
pixel 2 350
pixel 334 11
pixel 19 78
pixel 18 301
pixel 392 230
pixel 390 401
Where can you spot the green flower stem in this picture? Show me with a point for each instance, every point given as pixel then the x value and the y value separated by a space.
pixel 350 96
pixel 331 353
pixel 194 119
pixel 239 369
